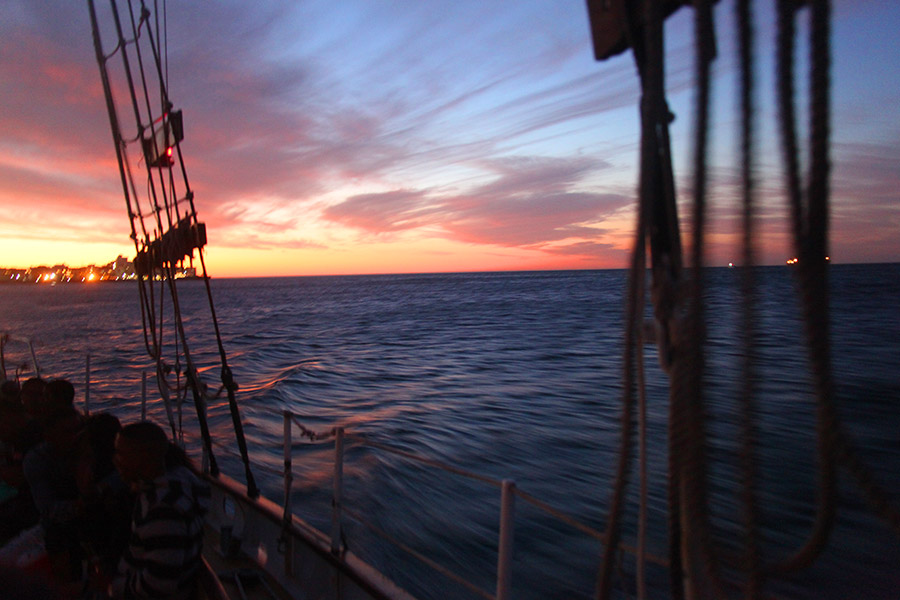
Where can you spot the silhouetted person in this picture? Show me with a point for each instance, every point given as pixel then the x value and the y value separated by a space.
pixel 32 396
pixel 50 466
pixel 105 520
pixel 50 472
pixel 17 512
pixel 59 394
pixel 9 392
pixel 163 556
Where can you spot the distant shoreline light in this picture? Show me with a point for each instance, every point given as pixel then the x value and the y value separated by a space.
pixel 120 269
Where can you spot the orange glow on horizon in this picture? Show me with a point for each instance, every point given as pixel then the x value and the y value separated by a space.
pixel 528 170
pixel 429 256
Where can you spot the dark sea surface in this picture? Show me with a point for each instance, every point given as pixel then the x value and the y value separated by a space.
pixel 510 376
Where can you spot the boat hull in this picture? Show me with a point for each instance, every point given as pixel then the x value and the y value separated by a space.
pixel 295 554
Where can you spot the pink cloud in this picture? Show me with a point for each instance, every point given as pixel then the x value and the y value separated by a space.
pixel 280 109
pixel 385 212
pixel 530 203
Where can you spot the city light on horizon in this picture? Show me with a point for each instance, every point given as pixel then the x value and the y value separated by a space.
pixel 402 153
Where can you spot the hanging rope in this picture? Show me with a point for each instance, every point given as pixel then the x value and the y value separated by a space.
pixel 695 559
pixel 811 225
pixel 810 247
pixel 641 553
pixel 641 24
pixel 750 559
pixel 633 319
pixel 700 570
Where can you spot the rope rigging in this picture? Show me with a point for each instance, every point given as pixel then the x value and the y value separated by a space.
pixel 166 231
pixel 164 224
pixel 697 560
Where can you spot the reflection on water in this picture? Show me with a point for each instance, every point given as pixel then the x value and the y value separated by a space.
pixel 512 376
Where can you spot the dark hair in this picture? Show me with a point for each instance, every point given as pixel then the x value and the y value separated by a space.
pixel 10 407
pixel 100 436
pixel 9 390
pixel 60 392
pixel 145 432
pixel 62 414
pixel 149 437
pixel 33 385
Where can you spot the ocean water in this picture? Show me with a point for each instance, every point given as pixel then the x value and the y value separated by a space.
pixel 510 376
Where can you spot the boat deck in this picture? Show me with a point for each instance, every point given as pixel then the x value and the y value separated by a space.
pixel 238 576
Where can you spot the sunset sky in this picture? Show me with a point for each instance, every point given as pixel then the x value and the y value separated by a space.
pixel 368 136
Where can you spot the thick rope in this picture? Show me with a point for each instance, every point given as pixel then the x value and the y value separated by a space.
pixel 751 559
pixel 657 220
pixel 838 444
pixel 701 569
pixel 313 436
pixel 633 320
pixel 810 246
pixel 156 213
pixel 690 536
pixel 641 551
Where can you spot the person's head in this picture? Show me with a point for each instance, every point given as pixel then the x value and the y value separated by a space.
pixel 140 452
pixel 59 393
pixel 12 420
pixel 32 394
pixel 9 391
pixel 98 439
pixel 61 429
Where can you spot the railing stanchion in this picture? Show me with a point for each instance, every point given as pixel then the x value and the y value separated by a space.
pixel 87 384
pixel 338 489
pixel 505 551
pixel 288 484
pixel 37 367
pixel 288 473
pixel 143 395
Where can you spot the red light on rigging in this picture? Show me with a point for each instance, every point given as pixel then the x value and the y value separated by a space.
pixel 166 133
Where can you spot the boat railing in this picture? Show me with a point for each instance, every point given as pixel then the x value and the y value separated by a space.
pixel 509 492
pixel 20 367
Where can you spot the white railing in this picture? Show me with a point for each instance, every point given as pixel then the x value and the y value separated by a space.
pixel 507 504
pixel 6 338
pixel 508 494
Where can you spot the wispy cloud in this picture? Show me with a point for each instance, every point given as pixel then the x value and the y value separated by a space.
pixel 482 124
pixel 529 202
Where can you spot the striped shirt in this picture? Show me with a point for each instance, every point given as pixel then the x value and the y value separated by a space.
pixel 163 555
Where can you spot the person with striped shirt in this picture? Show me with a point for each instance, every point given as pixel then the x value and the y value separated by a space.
pixel 163 557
